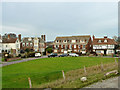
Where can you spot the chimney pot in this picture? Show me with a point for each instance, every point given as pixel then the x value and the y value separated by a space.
pixel 19 37
pixel 93 37
pixel 8 36
pixel 105 36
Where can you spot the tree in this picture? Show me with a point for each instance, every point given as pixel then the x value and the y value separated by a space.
pixel 27 50
pixel 115 38
pixel 49 50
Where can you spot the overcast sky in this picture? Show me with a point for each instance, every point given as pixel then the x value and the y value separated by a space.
pixel 60 19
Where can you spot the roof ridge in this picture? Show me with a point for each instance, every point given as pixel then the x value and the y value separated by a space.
pixel 73 36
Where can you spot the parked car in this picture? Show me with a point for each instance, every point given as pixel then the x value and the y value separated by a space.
pixel 63 55
pixel 53 55
pixel 94 53
pixel 79 53
pixel 37 55
pixel 73 54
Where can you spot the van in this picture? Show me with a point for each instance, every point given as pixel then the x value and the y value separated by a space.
pixel 37 55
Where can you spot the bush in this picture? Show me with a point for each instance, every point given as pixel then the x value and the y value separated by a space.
pixel 49 50
pixel 31 54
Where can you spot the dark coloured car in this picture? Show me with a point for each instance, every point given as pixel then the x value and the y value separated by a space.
pixel 94 53
pixel 53 55
pixel 63 55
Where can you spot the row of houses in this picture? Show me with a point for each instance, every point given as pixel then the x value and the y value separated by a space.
pixel 80 44
pixel 11 43
pixel 84 44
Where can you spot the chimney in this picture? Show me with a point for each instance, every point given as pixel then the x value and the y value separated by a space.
pixel 19 37
pixel 93 37
pixel 8 36
pixel 105 36
pixel 44 38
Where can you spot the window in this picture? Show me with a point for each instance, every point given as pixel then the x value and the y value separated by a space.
pixel 82 41
pixel 56 46
pixel 73 41
pixel 70 46
pixel 64 40
pixel 17 45
pixel 23 44
pixel 57 41
pixel 61 46
pixel 27 44
pixel 83 46
pixel 74 46
pixel 105 40
pixel 31 44
pixel 99 41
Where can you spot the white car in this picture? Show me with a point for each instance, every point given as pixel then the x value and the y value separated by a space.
pixel 73 54
pixel 37 55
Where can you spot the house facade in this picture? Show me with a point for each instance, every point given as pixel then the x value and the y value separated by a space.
pixel 104 45
pixel 0 44
pixel 11 44
pixel 72 44
pixel 34 43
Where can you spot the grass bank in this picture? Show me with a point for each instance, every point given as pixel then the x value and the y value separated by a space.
pixel 46 70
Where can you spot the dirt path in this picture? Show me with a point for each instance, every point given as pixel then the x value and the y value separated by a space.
pixel 109 83
pixel 19 61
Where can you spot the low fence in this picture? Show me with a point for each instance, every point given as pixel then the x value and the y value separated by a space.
pixel 10 59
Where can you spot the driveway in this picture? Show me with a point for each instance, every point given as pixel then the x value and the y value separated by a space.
pixel 108 83
pixel 19 61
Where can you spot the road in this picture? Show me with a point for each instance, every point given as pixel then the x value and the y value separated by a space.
pixel 108 83
pixel 19 61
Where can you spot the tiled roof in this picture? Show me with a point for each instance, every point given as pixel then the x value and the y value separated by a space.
pixel 26 40
pixel 109 41
pixel 9 40
pixel 73 37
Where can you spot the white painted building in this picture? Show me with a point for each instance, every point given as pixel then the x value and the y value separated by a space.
pixel 104 45
pixel 11 45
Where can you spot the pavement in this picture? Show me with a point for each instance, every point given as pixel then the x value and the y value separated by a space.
pixel 108 83
pixel 19 61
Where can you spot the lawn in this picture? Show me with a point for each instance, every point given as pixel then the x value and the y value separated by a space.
pixel 45 70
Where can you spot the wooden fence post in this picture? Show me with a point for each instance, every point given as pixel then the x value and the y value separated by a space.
pixel 116 62
pixel 85 70
pixel 102 68
pixel 63 74
pixel 29 82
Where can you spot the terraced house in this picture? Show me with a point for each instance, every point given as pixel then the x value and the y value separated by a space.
pixel 34 43
pixel 72 44
pixel 104 45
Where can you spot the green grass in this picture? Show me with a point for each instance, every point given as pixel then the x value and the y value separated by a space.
pixel 45 70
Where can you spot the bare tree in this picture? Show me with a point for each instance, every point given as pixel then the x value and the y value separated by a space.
pixel 115 38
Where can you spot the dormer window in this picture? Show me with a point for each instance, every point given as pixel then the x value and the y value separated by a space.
pixel 99 41
pixel 29 39
pixel 64 40
pixel 105 40
pixel 57 41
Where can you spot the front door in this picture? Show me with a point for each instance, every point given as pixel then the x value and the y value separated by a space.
pixel 105 52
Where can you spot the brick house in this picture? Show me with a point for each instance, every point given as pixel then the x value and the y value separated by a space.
pixel 72 44
pixel 104 45
pixel 34 43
